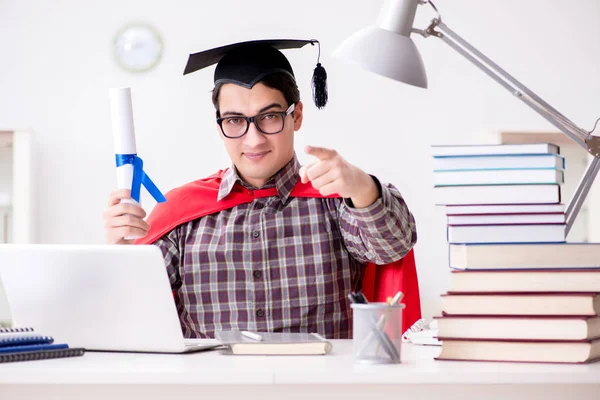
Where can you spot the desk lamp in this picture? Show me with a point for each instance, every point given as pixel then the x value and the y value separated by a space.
pixel 387 49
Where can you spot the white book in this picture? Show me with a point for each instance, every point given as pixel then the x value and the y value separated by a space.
pixel 554 233
pixel 273 343
pixel 502 256
pixel 497 194
pixel 506 209
pixel 506 219
pixel 516 161
pixel 495 149
pixel 498 177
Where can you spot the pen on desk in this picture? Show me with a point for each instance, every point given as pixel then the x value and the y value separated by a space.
pixel 252 335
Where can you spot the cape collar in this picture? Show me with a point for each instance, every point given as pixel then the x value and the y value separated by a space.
pixel 284 181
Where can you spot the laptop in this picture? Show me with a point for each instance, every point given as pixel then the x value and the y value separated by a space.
pixel 100 297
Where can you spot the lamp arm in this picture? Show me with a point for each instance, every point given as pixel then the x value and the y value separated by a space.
pixel 585 139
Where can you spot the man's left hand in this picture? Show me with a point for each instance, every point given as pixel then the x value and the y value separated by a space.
pixel 331 174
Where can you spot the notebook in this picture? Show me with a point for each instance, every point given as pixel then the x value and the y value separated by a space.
pixel 21 337
pixel 41 355
pixel 24 344
pixel 520 351
pixel 274 343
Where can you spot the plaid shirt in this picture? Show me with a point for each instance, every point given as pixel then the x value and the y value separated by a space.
pixel 281 264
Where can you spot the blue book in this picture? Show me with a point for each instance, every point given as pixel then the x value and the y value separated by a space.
pixel 33 347
pixel 10 341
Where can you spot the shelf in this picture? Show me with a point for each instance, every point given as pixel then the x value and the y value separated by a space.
pixel 16 189
pixel 5 200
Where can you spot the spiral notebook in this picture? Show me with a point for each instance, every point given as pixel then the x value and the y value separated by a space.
pixel 41 355
pixel 24 344
pixel 15 329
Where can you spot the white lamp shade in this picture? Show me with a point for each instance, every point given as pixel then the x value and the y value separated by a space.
pixel 385 53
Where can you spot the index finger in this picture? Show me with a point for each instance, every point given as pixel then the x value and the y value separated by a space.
pixel 117 195
pixel 321 153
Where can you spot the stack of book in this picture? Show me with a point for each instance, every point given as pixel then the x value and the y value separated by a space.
pixel 501 193
pixel 522 302
pixel 518 291
pixel 24 344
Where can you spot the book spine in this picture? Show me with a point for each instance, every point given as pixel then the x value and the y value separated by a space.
pixel 13 330
pixel 32 347
pixel 41 355
pixel 21 341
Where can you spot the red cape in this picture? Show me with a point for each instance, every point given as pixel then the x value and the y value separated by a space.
pixel 199 198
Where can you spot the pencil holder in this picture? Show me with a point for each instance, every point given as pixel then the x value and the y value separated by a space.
pixel 377 336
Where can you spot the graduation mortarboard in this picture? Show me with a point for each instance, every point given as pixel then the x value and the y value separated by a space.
pixel 246 63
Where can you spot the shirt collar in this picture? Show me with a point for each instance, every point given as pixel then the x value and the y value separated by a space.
pixel 284 180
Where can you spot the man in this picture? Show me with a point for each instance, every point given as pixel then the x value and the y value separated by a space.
pixel 267 245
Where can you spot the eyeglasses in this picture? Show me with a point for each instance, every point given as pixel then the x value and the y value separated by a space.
pixel 269 123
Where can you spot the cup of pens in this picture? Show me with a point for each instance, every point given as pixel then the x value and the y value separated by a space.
pixel 377 336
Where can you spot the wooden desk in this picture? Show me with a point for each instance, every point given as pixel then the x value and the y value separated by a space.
pixel 211 375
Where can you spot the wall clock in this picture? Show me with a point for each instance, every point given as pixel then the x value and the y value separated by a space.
pixel 137 47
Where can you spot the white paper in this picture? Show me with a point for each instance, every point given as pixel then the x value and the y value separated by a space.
pixel 121 111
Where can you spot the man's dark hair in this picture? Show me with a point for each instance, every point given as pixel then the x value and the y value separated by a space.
pixel 278 81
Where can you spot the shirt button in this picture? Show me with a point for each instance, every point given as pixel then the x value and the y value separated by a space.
pixel 257 274
pixel 255 234
pixel 260 313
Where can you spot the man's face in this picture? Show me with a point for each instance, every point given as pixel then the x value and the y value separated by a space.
pixel 258 156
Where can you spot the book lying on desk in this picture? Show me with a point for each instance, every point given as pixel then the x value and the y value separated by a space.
pixel 525 256
pixel 510 161
pixel 519 327
pixel 522 281
pixel 493 149
pixel 520 351
pixel 24 344
pixel 500 209
pixel 506 233
pixel 274 343
pixel 580 304
pixel 506 219
pixel 496 194
pixel 498 177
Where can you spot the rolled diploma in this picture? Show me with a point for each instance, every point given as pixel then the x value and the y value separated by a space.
pixel 121 112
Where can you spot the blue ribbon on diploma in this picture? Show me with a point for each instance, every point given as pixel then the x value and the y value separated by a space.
pixel 139 177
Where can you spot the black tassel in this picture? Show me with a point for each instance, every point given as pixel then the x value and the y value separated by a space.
pixel 319 86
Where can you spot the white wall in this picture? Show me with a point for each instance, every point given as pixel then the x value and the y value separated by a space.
pixel 56 68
